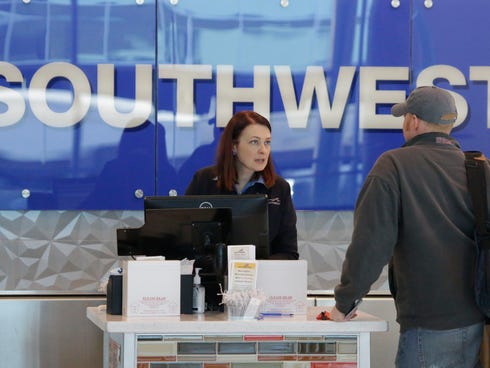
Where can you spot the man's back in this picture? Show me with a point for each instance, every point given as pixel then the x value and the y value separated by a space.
pixel 432 265
pixel 414 212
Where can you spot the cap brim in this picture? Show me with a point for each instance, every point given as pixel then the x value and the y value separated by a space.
pixel 399 109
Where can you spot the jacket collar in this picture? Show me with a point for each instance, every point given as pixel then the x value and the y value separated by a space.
pixel 432 137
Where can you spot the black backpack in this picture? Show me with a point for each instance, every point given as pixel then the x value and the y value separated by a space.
pixel 475 171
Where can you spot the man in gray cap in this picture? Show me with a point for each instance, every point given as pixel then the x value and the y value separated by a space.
pixel 414 212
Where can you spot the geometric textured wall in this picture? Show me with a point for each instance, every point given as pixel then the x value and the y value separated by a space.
pixel 323 238
pixel 53 252
pixel 59 251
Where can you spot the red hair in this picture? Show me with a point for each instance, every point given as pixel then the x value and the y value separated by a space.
pixel 225 160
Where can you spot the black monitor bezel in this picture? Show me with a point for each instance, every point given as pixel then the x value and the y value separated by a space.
pixel 152 239
pixel 246 205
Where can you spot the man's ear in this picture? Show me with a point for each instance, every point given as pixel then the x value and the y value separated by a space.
pixel 415 121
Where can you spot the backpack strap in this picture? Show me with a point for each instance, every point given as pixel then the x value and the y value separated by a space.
pixel 475 173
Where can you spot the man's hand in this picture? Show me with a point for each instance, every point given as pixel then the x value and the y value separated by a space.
pixel 338 316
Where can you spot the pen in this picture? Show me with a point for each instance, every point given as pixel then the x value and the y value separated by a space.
pixel 273 314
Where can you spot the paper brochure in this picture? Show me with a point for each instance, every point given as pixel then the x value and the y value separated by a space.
pixel 151 288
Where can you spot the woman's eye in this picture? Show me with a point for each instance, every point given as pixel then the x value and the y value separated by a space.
pixel 254 142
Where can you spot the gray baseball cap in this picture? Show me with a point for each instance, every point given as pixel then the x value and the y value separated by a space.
pixel 431 104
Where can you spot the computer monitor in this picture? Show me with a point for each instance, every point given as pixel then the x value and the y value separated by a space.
pixel 176 233
pixel 250 220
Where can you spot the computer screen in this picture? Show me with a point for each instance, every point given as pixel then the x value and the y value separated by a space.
pixel 176 233
pixel 250 220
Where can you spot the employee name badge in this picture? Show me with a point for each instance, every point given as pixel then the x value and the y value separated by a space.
pixel 242 275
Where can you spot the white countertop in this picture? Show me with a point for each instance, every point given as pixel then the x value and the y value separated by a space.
pixel 218 323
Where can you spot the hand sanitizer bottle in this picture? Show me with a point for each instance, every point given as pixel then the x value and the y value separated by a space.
pixel 198 294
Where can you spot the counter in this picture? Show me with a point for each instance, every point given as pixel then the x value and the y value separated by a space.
pixel 213 340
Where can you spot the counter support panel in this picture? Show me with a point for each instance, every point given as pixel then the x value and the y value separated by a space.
pixel 212 340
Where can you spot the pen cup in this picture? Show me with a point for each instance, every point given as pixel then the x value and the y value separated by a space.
pixel 243 304
pixel 235 311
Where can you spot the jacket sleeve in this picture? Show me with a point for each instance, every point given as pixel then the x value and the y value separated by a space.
pixel 373 240
pixel 285 244
pixel 202 182
pixel 193 187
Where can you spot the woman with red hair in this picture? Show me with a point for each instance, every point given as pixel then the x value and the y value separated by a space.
pixel 244 166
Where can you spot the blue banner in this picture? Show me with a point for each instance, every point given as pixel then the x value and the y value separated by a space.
pixel 102 104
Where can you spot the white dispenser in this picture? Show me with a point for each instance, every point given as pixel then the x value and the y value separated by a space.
pixel 198 294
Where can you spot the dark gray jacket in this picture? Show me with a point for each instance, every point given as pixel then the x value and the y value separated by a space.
pixel 414 210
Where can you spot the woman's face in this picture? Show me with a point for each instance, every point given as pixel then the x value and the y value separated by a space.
pixel 253 148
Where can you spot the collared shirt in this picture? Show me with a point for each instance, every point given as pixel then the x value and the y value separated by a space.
pixel 251 183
